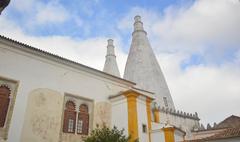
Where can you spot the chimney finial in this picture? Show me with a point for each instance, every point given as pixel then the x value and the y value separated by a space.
pixel 138 24
pixel 110 42
pixel 137 18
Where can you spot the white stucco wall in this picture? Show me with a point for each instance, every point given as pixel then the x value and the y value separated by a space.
pixel 120 113
pixel 157 136
pixel 178 136
pixel 156 126
pixel 185 123
pixel 34 72
pixel 142 118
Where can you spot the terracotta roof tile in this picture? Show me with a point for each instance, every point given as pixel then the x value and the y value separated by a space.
pixel 230 122
pixel 228 133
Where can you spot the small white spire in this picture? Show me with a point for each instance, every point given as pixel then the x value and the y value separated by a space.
pixel 110 65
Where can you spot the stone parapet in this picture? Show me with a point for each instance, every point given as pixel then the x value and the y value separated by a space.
pixel 178 113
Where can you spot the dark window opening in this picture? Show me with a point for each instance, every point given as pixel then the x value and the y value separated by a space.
pixel 83 120
pixel 74 121
pixel 144 128
pixel 69 118
pixel 4 103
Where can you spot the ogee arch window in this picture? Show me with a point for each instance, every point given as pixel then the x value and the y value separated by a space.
pixel 83 120
pixel 69 117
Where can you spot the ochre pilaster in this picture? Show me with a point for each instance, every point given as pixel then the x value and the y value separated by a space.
pixel 132 115
pixel 156 115
pixel 169 134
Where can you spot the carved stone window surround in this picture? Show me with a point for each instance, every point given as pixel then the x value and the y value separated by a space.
pixel 13 86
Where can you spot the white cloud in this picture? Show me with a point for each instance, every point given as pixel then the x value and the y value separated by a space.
pixel 51 13
pixel 89 52
pixel 39 12
pixel 215 22
pixel 212 91
pixel 23 5
pixel 190 29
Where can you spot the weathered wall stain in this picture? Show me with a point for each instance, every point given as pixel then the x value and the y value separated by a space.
pixel 43 125
pixel 103 113
pixel 43 116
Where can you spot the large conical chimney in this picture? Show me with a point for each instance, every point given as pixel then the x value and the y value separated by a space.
pixel 142 67
pixel 110 65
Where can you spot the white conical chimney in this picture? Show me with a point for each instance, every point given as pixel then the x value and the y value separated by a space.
pixel 142 66
pixel 110 65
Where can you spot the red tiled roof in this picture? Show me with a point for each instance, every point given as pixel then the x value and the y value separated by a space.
pixel 228 133
pixel 230 122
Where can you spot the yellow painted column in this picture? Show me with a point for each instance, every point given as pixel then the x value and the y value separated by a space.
pixel 149 116
pixel 132 115
pixel 169 134
pixel 156 116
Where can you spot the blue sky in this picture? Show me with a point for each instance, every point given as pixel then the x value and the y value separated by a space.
pixel 95 18
pixel 86 18
pixel 197 43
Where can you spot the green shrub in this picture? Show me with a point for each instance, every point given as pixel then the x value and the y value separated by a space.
pixel 106 134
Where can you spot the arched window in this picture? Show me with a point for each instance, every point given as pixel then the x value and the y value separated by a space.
pixel 69 117
pixel 83 120
pixel 4 103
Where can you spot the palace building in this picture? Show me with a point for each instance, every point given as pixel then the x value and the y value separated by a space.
pixel 47 98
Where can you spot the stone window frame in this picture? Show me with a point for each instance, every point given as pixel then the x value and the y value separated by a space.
pixel 78 100
pixel 13 86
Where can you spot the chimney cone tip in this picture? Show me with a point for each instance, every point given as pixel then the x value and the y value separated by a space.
pixel 137 18
pixel 110 41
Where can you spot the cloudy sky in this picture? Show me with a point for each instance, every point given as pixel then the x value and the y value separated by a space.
pixel 197 43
